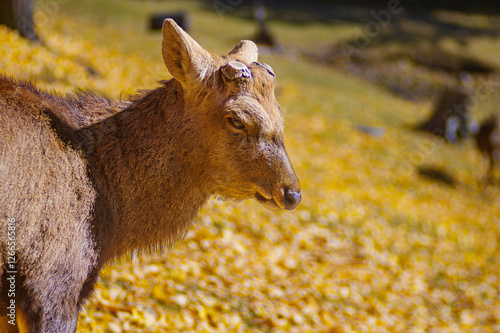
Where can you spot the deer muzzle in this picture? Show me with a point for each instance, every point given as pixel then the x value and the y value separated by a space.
pixel 285 193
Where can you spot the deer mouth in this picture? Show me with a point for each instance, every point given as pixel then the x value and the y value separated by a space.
pixel 269 203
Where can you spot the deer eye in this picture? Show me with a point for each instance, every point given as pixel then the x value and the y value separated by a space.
pixel 236 123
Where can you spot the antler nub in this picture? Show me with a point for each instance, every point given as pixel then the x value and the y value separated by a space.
pixel 266 67
pixel 236 70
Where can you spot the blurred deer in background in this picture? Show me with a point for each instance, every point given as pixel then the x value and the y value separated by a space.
pixel 488 143
pixel 85 179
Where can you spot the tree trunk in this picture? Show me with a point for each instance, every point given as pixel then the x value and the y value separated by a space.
pixel 18 15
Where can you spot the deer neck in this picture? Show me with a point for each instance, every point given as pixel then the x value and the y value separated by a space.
pixel 151 173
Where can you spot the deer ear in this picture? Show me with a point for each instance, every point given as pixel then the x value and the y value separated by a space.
pixel 246 51
pixel 185 59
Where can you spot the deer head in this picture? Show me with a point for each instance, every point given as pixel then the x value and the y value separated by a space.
pixel 230 99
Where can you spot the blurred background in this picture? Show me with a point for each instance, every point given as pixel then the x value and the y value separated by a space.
pixel 391 114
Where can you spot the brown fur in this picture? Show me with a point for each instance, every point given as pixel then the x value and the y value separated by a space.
pixel 88 179
pixel 488 143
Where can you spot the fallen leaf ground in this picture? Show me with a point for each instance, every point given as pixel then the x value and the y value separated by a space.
pixel 373 247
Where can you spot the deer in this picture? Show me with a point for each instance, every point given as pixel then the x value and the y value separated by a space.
pixel 488 144
pixel 86 179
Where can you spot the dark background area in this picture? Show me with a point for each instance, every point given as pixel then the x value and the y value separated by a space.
pixel 329 11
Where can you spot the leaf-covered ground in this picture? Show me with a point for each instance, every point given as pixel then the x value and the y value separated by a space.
pixel 373 247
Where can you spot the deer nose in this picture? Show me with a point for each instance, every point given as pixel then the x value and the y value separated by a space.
pixel 292 199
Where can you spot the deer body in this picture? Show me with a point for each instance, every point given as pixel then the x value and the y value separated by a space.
pixel 85 179
pixel 488 143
